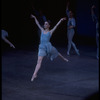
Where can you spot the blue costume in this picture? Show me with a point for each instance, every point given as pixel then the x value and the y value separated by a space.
pixel 4 34
pixel 70 33
pixel 46 48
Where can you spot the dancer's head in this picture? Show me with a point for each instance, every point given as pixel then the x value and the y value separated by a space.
pixel 70 14
pixel 47 24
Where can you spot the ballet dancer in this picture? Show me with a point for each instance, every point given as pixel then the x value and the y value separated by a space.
pixel 71 30
pixel 45 47
pixel 4 34
pixel 95 19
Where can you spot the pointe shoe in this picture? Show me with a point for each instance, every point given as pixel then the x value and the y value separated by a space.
pixel 77 52
pixel 97 57
pixel 68 53
pixel 66 60
pixel 33 77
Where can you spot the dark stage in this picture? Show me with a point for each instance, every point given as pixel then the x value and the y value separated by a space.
pixel 57 80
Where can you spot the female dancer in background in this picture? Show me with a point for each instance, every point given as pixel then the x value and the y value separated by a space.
pixel 70 30
pixel 45 47
pixel 95 19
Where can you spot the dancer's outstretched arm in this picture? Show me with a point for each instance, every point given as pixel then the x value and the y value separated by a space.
pixel 92 9
pixel 37 22
pixel 52 30
pixel 94 17
pixel 8 42
pixel 67 9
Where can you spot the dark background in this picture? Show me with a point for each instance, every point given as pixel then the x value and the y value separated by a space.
pixel 85 25
pixel 15 18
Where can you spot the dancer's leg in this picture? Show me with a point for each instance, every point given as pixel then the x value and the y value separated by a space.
pixel 97 42
pixel 63 57
pixel 70 35
pixel 74 46
pixel 97 53
pixel 40 58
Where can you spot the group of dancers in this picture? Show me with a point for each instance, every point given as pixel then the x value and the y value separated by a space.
pixel 45 46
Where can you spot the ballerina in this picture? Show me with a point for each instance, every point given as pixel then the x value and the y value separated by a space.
pixel 45 47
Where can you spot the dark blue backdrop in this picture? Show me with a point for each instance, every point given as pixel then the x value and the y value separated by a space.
pixel 85 25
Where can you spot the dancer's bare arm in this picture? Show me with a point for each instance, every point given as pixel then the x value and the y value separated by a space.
pixel 37 22
pixel 55 27
pixel 67 9
pixel 8 42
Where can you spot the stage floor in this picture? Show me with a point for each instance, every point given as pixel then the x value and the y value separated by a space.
pixel 57 79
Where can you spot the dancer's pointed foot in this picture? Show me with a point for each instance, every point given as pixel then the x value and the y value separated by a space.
pixel 66 59
pixel 68 54
pixel 33 77
pixel 77 52
pixel 97 57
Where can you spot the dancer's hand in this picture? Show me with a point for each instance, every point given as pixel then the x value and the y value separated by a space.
pixel 32 16
pixel 62 19
pixel 11 45
pixel 66 59
pixel 70 27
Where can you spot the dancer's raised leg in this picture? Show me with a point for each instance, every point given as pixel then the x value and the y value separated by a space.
pixel 63 57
